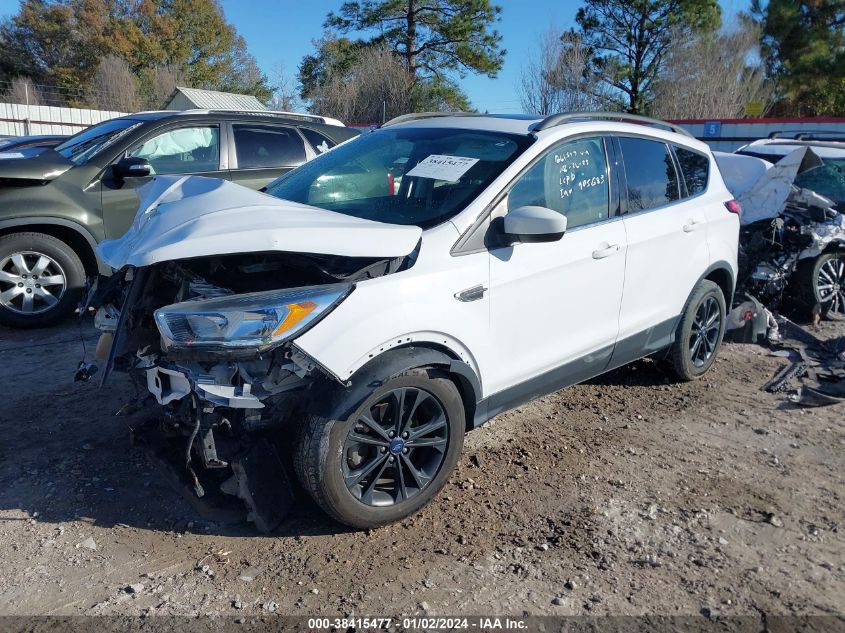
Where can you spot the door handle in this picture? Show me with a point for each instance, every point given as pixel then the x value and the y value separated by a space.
pixel 605 250
pixel 691 226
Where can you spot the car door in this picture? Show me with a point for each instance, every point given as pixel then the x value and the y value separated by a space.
pixel 555 305
pixel 262 152
pixel 667 246
pixel 193 149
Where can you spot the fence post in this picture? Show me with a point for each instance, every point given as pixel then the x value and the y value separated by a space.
pixel 26 120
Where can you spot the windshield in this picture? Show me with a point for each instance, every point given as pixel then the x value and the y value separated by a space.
pixel 412 176
pixel 827 180
pixel 82 147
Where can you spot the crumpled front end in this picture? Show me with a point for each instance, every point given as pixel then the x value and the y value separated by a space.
pixel 209 345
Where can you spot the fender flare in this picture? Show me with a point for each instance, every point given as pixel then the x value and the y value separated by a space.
pixel 68 224
pixel 725 267
pixel 342 402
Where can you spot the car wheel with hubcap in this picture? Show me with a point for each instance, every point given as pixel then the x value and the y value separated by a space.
pixel 390 456
pixel 829 275
pixel 41 280
pixel 700 331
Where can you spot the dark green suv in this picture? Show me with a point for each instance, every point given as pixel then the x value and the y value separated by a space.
pixel 57 203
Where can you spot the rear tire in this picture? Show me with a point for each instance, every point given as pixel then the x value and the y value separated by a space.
pixel 41 280
pixel 362 473
pixel 700 331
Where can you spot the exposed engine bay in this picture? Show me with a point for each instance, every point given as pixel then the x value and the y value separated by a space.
pixel 770 250
pixel 219 415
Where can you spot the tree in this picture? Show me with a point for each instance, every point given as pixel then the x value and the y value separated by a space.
pixel 373 89
pixel 61 42
pixel 435 37
pixel 158 83
pixel 22 90
pixel 339 60
pixel 712 75
pixel 114 86
pixel 285 95
pixel 557 77
pixel 335 56
pixel 628 40
pixel 804 48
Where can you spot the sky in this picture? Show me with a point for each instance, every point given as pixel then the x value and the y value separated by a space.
pixel 280 32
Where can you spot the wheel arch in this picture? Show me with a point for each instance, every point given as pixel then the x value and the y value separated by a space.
pixel 403 358
pixel 71 233
pixel 722 275
pixel 836 246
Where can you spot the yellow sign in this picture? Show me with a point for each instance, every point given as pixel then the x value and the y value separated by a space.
pixel 754 108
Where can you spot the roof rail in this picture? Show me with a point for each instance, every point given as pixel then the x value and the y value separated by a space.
pixel 416 116
pixel 623 117
pixel 807 135
pixel 299 116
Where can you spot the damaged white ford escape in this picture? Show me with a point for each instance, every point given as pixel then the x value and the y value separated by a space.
pixel 360 315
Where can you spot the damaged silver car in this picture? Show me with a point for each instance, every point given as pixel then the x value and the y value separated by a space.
pixel 792 240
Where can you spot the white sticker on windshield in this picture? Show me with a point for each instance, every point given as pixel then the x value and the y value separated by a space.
pixel 7 155
pixel 440 167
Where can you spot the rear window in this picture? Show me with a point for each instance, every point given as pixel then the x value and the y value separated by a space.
pixel 650 173
pixel 260 146
pixel 695 168
pixel 319 142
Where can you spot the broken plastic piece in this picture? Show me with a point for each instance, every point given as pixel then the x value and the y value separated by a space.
pixel 167 385
pixel 810 397
pixel 84 371
pixel 229 396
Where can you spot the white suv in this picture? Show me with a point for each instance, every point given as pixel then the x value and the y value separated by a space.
pixel 376 303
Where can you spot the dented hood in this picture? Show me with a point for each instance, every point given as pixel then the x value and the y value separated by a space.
pixel 760 187
pixel 192 216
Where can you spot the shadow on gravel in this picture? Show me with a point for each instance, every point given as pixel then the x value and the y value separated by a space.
pixel 642 373
pixel 66 457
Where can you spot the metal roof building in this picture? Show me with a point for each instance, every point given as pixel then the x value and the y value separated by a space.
pixel 194 98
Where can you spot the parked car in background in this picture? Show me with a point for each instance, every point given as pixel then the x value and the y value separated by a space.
pixel 57 203
pixel 382 299
pixel 794 247
pixel 827 179
pixel 12 143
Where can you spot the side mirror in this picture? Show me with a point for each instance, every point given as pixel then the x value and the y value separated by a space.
pixel 534 224
pixel 131 167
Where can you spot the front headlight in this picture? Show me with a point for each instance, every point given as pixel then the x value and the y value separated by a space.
pixel 257 319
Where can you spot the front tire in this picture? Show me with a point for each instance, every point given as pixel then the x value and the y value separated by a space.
pixel 700 331
pixel 390 457
pixel 821 282
pixel 41 280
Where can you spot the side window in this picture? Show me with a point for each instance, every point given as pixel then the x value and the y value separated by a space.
pixel 187 150
pixel 650 172
pixel 267 146
pixel 695 168
pixel 571 179
pixel 319 142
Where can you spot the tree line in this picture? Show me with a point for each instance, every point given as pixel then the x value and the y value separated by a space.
pixel 684 59
pixel 379 58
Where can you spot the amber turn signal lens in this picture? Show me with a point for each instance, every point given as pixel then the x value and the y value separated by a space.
pixel 296 312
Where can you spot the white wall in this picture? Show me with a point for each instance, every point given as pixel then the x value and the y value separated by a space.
pixel 734 133
pixel 22 120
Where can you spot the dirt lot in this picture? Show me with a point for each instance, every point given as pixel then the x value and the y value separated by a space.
pixel 627 495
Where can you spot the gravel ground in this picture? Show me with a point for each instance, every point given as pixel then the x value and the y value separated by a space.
pixel 628 495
